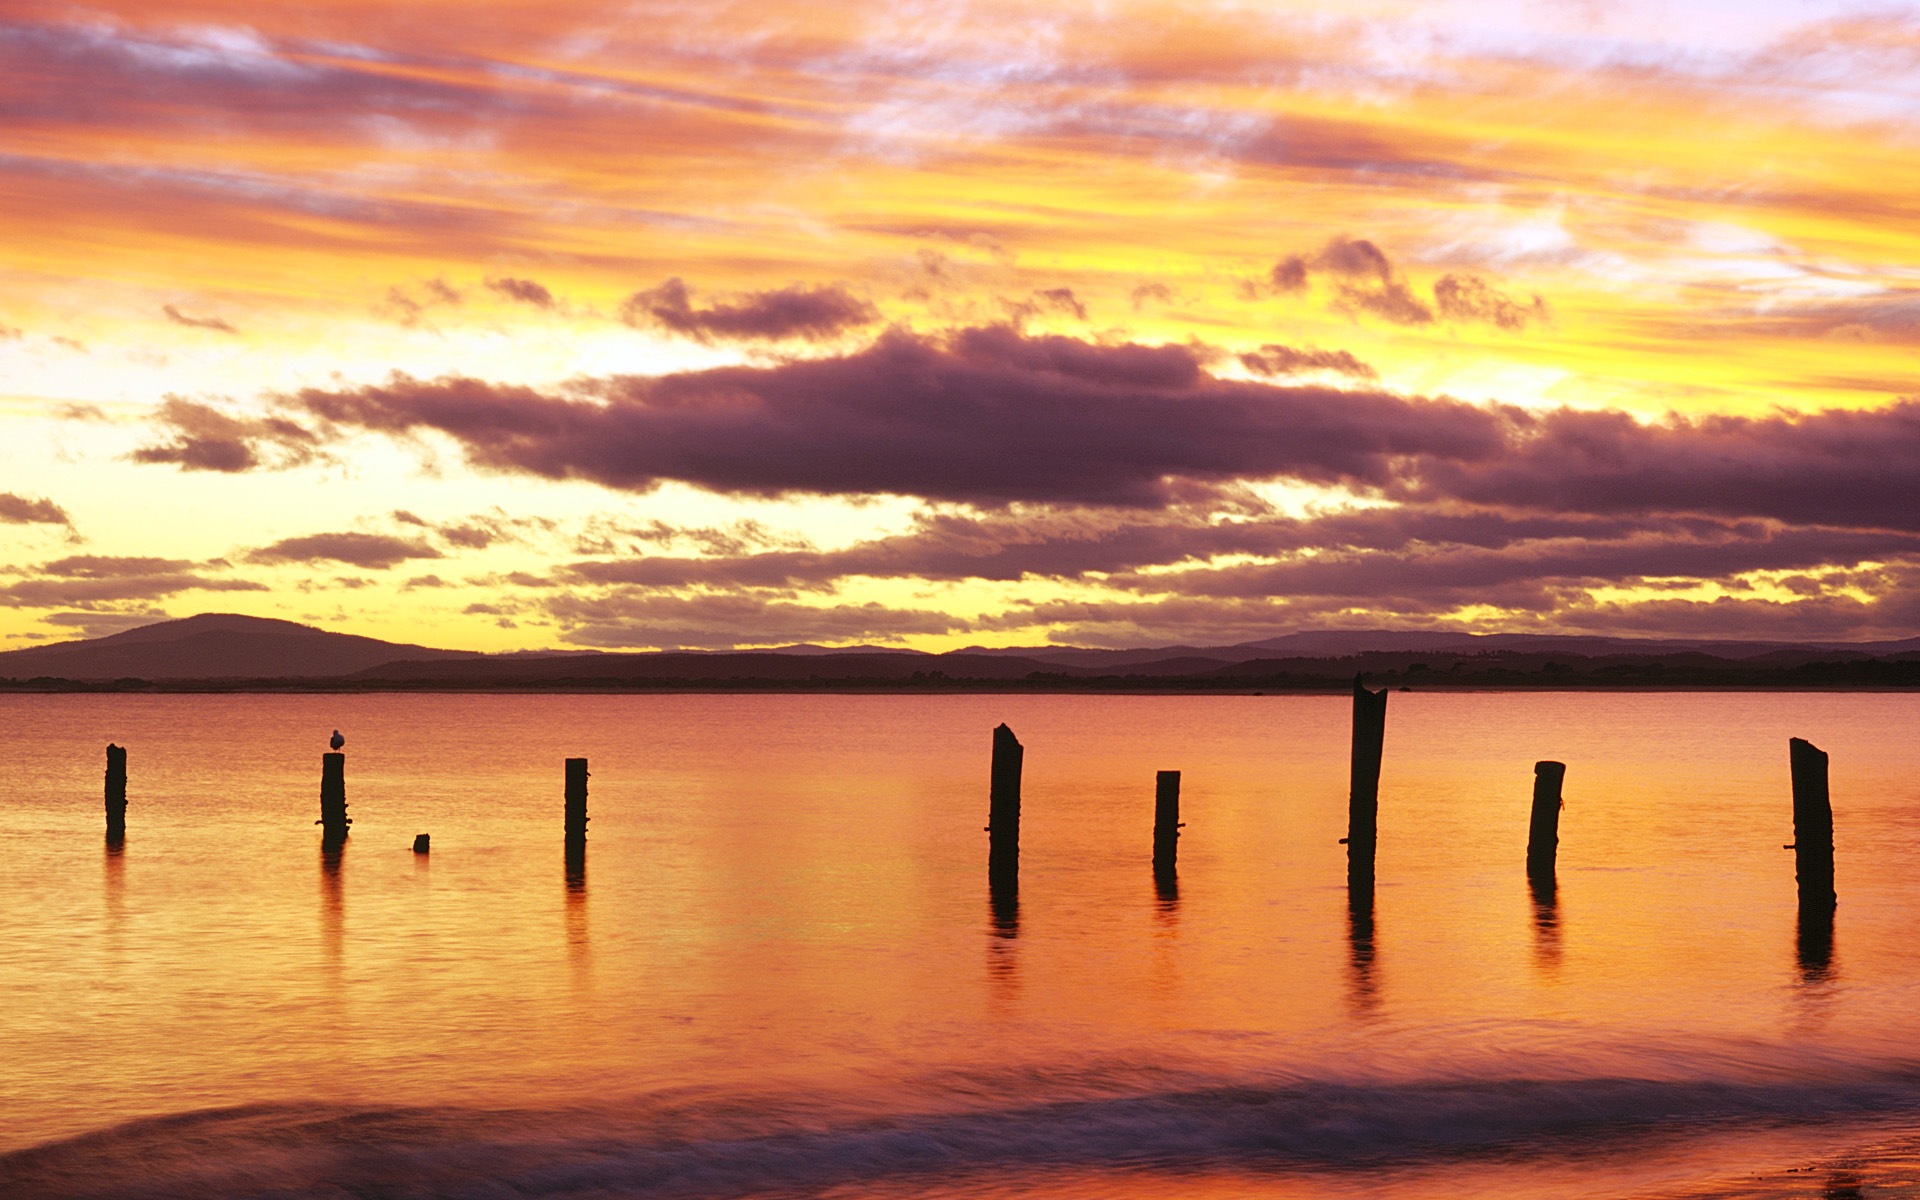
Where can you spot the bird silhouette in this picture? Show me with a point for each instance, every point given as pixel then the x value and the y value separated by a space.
pixel 336 741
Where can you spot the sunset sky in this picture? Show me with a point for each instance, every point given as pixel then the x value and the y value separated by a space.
pixel 703 324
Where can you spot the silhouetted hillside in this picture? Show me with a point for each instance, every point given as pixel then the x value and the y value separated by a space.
pixel 223 652
pixel 213 646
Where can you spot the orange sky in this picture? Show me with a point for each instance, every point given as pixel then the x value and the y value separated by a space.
pixel 960 323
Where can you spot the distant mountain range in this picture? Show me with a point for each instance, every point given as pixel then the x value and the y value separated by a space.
pixel 224 649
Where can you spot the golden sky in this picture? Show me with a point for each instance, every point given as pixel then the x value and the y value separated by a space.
pixel 936 324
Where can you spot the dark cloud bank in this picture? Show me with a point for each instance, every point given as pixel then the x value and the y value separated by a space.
pixel 989 417
pixel 1128 466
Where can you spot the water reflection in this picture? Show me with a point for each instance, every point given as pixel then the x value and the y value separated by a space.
pixel 1003 903
pixel 1845 1186
pixel 1813 943
pixel 1546 921
pixel 332 909
pixel 1166 896
pixel 576 861
pixel 1362 989
pixel 576 877
pixel 1003 897
pixel 114 878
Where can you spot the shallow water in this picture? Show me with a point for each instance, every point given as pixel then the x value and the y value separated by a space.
pixel 778 969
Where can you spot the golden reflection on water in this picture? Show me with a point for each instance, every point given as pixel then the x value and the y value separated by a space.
pixel 578 951
pixel 793 890
pixel 1546 923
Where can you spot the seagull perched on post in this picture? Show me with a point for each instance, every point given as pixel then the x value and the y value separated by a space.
pixel 336 741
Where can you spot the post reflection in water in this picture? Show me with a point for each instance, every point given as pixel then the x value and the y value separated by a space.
pixel 332 910
pixel 576 869
pixel 576 876
pixel 1546 921
pixel 1166 896
pixel 1003 897
pixel 114 877
pixel 1813 943
pixel 1003 904
pixel 1843 1186
pixel 1362 989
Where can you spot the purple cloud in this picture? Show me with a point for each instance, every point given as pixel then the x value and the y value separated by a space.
pixel 991 417
pixel 19 510
pixel 370 551
pixel 213 323
pixel 986 416
pixel 797 311
pixel 523 291
pixel 630 619
pixel 1273 359
pixel 96 582
pixel 1471 298
pixel 200 437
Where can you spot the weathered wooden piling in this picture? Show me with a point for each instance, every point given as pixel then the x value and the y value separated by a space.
pixel 1166 821
pixel 1543 832
pixel 576 800
pixel 1812 825
pixel 333 820
pixel 422 843
pixel 1003 805
pixel 1363 795
pixel 116 792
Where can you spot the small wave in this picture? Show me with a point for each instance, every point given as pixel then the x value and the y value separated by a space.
pixel 735 1147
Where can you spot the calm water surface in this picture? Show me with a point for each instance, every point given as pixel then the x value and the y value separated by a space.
pixel 778 969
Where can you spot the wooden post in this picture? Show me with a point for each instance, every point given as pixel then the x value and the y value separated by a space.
pixel 576 800
pixel 1363 796
pixel 116 793
pixel 1003 806
pixel 422 843
pixel 333 820
pixel 1812 825
pixel 1543 832
pixel 1166 821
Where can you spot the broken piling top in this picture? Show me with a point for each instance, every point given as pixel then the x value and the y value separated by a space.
pixel 1003 802
pixel 1363 795
pixel 1543 831
pixel 1812 824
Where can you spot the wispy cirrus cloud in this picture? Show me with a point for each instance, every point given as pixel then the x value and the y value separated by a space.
pixel 624 620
